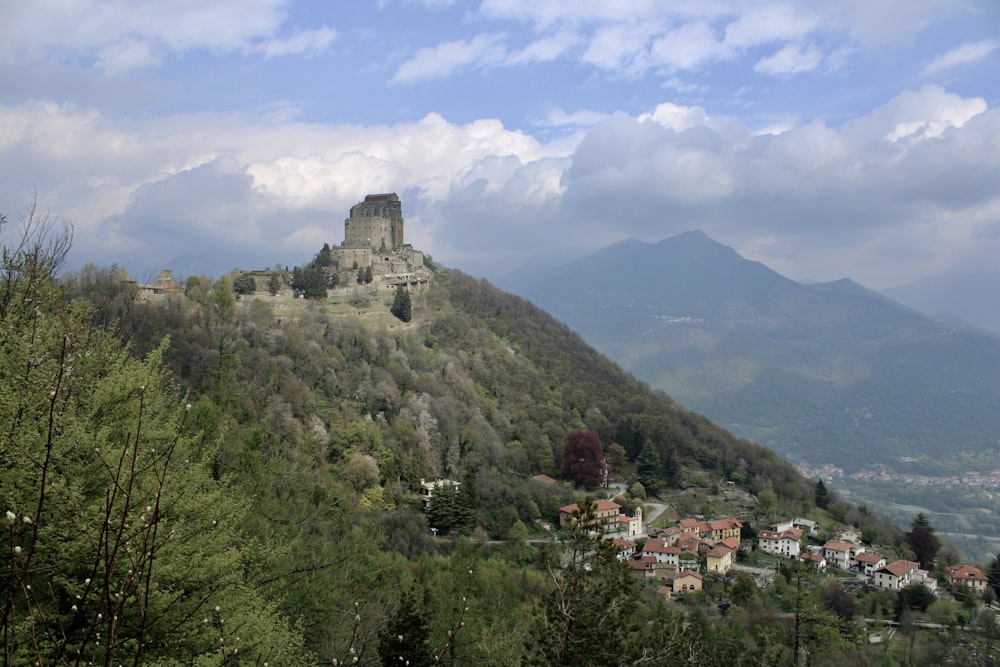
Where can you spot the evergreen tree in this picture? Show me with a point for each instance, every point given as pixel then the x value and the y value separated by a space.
pixel 244 284
pixel 649 466
pixel 993 574
pixel 401 306
pixel 405 640
pixel 922 540
pixel 368 275
pixel 822 495
pixel 273 284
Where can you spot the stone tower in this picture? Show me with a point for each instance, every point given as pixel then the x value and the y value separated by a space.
pixel 375 223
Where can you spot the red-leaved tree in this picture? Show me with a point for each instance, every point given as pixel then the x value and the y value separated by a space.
pixel 583 459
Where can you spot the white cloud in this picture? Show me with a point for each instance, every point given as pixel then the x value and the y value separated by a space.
pixel 443 59
pixel 481 196
pixel 765 24
pixel 306 42
pixel 123 36
pixel 966 54
pixel 790 59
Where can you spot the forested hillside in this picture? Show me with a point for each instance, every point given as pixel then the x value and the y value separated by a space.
pixel 203 479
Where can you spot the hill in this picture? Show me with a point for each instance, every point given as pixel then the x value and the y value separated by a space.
pixel 205 479
pixel 827 374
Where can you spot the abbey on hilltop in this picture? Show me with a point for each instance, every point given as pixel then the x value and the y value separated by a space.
pixel 373 237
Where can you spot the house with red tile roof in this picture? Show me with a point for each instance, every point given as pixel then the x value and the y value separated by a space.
pixel 720 559
pixel 868 562
pixel 665 555
pixel 895 576
pixel 969 577
pixel 841 555
pixel 687 581
pixel 785 543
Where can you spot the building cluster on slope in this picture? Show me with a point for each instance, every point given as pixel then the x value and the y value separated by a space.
pixel 683 554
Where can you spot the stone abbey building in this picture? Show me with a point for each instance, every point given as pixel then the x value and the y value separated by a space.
pixel 375 223
pixel 373 237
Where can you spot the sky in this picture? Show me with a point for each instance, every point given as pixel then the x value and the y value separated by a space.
pixel 827 139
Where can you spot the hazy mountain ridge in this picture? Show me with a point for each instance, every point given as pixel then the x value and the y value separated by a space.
pixel 829 372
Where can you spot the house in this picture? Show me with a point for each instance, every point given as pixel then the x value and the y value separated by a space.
pixel 689 543
pixel 689 525
pixel 838 554
pixel 720 529
pixel 665 555
pixel 608 519
pixel 625 548
pixel 428 489
pixel 816 560
pixel 968 577
pixel 688 581
pixel 848 534
pixel 868 562
pixel 786 543
pixel 807 526
pixel 924 577
pixel 895 576
pixel 664 592
pixel 642 567
pixel 605 513
pixel 720 559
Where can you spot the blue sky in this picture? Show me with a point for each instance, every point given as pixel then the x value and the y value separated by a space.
pixel 830 138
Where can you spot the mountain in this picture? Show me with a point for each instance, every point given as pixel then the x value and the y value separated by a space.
pixel 823 373
pixel 968 296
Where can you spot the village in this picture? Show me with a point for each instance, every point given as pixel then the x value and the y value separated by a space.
pixel 681 556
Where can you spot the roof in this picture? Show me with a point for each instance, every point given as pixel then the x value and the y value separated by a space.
pixel 725 524
pixel 598 505
pixel 869 557
pixel 731 542
pixel 658 546
pixel 622 543
pixel 719 552
pixel 689 523
pixel 813 558
pixel 837 545
pixel 688 573
pixel 898 568
pixel 545 479
pixel 965 573
pixel 790 534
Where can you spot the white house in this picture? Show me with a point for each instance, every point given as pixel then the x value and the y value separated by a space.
pixel 895 576
pixel 785 543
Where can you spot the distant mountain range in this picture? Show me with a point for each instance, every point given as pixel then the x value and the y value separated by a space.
pixel 823 373
pixel 968 296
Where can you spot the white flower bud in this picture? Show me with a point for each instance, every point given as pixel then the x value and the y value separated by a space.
pixel 11 517
pixel 17 551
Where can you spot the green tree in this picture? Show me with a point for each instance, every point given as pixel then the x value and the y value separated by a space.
pixel 324 257
pixel 822 495
pixel 401 306
pixel 120 545
pixel 993 574
pixel 309 283
pixel 273 284
pixel 649 467
pixel 923 541
pixel 406 637
pixel 914 597
pixel 584 617
pixel 368 277
pixel 244 284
